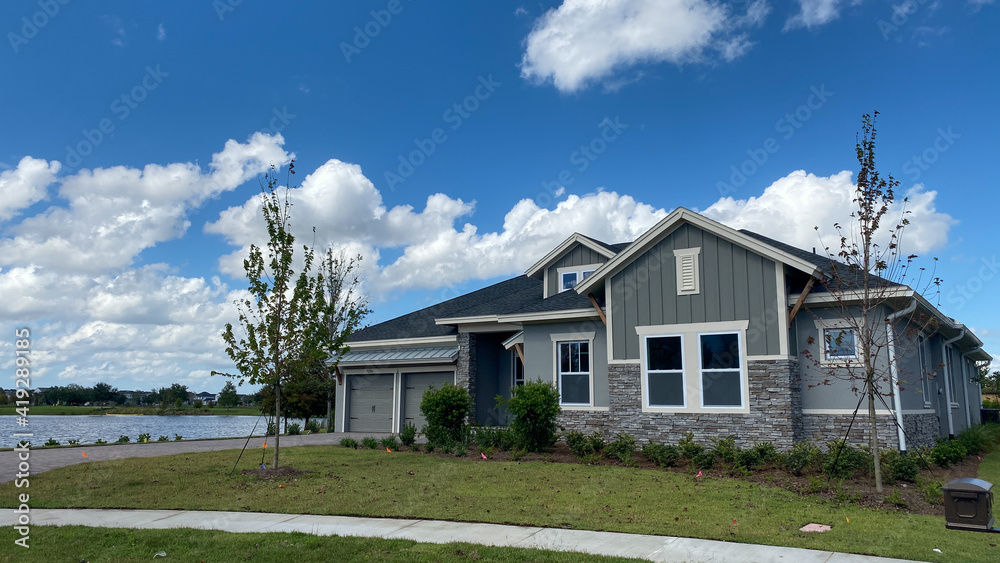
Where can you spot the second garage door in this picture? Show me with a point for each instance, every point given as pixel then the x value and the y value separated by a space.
pixel 370 403
pixel 415 384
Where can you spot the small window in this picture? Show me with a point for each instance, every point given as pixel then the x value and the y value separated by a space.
pixel 586 274
pixel 574 373
pixel 517 369
pixel 665 371
pixel 568 280
pixel 951 373
pixel 841 344
pixel 721 370
pixel 925 382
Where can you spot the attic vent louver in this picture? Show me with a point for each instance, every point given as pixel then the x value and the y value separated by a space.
pixel 686 264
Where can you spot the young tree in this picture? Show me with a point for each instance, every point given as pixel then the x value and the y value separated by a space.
pixel 284 323
pixel 865 272
pixel 104 393
pixel 228 397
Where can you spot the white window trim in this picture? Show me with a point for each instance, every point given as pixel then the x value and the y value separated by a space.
pixel 578 270
pixel 925 380
pixel 680 255
pixel 691 333
pixel 514 359
pixel 743 371
pixel 822 325
pixel 590 370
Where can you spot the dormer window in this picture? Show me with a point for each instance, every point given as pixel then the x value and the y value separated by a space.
pixel 568 277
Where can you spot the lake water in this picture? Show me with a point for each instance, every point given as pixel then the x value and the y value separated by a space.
pixel 88 428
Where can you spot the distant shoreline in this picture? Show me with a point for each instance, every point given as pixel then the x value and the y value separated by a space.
pixel 10 410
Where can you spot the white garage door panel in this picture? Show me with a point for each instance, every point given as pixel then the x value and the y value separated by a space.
pixel 414 386
pixel 370 403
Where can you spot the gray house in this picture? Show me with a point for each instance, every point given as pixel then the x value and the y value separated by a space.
pixel 694 327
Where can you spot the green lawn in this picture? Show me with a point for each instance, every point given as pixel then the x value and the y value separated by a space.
pixel 376 483
pixel 77 543
pixel 185 410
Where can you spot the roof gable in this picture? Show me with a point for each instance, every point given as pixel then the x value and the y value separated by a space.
pixel 564 247
pixel 678 217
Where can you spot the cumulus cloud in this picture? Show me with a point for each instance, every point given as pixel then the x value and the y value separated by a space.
pixel 583 41
pixel 25 185
pixel 792 207
pixel 814 13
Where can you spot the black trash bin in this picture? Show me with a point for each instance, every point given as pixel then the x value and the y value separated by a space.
pixel 968 505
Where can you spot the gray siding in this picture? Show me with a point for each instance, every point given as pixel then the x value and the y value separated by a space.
pixel 736 284
pixel 539 354
pixel 579 256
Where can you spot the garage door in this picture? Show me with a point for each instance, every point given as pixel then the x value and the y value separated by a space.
pixel 415 385
pixel 370 403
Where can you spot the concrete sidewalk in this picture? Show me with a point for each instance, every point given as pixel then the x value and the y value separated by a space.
pixel 653 548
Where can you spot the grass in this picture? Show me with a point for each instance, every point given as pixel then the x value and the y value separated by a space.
pixel 376 483
pixel 77 543
pixel 184 410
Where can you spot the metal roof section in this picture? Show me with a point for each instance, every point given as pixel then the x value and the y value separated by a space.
pixel 430 354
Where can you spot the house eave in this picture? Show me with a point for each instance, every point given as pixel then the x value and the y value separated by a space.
pixel 402 342
pixel 550 316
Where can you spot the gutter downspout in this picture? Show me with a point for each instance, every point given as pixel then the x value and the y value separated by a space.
pixel 894 370
pixel 948 380
pixel 968 407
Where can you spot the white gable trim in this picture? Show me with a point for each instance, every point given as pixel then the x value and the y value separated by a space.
pixel 668 223
pixel 566 246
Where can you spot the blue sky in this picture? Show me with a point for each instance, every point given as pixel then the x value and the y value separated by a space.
pixel 453 144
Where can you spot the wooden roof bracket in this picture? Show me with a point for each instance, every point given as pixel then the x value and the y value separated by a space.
pixel 593 301
pixel 800 300
pixel 520 351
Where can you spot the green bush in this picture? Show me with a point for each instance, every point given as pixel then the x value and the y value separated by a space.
pixel 369 442
pixel 948 452
pixel 689 449
pixel 726 448
pixel 535 406
pixel 802 456
pixel 766 451
pixel 748 460
pixel 622 448
pixel 349 443
pixel 662 455
pixel 293 429
pixel 446 409
pixel 844 461
pixel 312 427
pixel 178 437
pixel 144 438
pixel 390 442
pixel 898 467
pixel 704 460
pixel 123 439
pixel 974 440
pixel 579 444
pixel 52 442
pixel 73 442
pixel 163 438
pixel 408 435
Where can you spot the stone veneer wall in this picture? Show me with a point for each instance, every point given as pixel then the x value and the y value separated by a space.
pixel 775 410
pixel 821 428
pixel 465 372
pixel 921 429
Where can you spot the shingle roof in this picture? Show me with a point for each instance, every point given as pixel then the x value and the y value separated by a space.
pixel 613 248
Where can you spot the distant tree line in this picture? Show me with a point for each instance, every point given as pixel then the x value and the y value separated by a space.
pixel 104 394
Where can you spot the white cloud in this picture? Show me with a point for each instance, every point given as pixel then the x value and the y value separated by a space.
pixel 814 13
pixel 583 41
pixel 25 185
pixel 791 208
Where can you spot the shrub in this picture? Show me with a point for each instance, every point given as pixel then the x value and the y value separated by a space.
pixel 144 438
pixel 271 429
pixel 123 439
pixel 408 435
pixel 748 459
pixel 579 444
pixel 662 455
pixel 689 449
pixel 312 426
pixel 73 442
pixel 535 406
pixel 446 410
pixel 293 429
pixel 349 443
pixel 948 452
pixel 178 437
pixel 704 460
pixel 198 404
pixel 622 448
pixel 802 456
pixel 898 467
pixel 766 451
pixel 390 443
pixel 726 448
pixel 99 442
pixel 974 440
pixel 369 442
pixel 844 461
pixel 163 438
pixel 52 442
pixel 460 450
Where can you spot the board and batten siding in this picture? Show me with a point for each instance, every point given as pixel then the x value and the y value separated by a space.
pixel 736 284
pixel 579 256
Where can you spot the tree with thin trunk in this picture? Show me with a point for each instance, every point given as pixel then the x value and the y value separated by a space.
pixel 867 269
pixel 284 318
